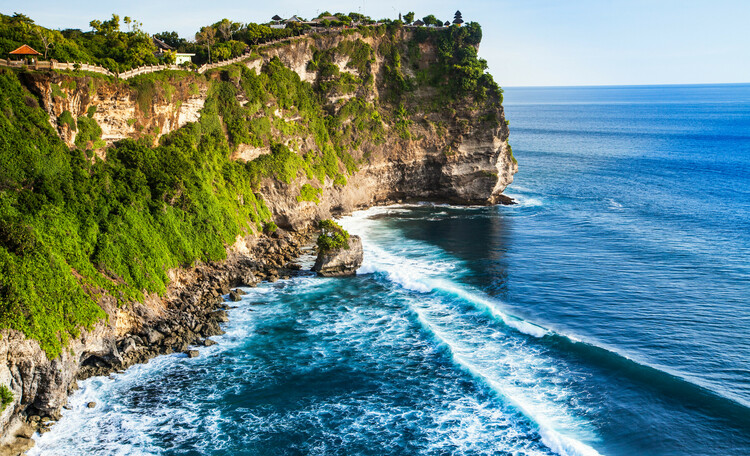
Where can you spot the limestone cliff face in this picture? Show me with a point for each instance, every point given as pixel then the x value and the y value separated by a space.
pixel 120 110
pixel 451 155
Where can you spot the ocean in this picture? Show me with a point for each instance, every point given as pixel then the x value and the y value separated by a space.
pixel 607 312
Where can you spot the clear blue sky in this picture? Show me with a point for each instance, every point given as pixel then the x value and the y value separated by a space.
pixel 526 42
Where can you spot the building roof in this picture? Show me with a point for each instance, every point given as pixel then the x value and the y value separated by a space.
pixel 447 24
pixel 277 18
pixel 458 13
pixel 458 20
pixel 25 50
pixel 161 44
pixel 294 19
pixel 418 22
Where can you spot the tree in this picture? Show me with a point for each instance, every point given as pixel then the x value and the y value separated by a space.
pixel 361 18
pixel 409 17
pixel 207 37
pixel 254 33
pixel 140 49
pixel 46 38
pixel 172 39
pixel 225 29
pixel 106 28
pixel 127 20
pixel 19 18
pixel 432 20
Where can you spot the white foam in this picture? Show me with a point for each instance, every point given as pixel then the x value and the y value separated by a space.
pixel 412 266
pixel 525 201
pixel 491 307
pixel 558 442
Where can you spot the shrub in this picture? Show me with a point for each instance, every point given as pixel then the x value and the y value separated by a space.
pixel 6 397
pixel 309 193
pixel 89 134
pixel 332 236
pixel 270 227
pixel 57 91
pixel 66 118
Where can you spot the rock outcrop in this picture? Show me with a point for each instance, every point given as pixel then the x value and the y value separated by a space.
pixel 340 262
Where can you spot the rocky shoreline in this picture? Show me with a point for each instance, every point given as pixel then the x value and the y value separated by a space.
pixel 194 309
pixel 190 312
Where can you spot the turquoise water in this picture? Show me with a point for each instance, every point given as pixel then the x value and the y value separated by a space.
pixel 607 313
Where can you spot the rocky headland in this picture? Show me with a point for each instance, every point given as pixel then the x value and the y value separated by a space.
pixel 388 141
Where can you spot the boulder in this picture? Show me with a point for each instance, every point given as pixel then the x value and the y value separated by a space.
pixel 193 353
pixel 340 262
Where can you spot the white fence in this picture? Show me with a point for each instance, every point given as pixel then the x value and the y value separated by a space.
pixel 54 65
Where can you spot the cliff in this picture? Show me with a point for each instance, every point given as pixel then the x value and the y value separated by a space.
pixel 136 205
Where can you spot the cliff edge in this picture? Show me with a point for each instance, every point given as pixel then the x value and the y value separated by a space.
pixel 129 208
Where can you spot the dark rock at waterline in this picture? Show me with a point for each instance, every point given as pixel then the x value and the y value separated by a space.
pixel 220 315
pixel 209 343
pixel 185 317
pixel 504 200
pixel 340 262
pixel 235 295
pixel 152 336
pixel 293 266
pixel 192 353
pixel 91 404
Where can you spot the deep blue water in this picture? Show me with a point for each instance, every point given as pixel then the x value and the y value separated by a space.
pixel 606 313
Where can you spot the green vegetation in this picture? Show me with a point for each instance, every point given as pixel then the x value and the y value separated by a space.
pixel 106 45
pixel 57 91
pixel 270 227
pixel 66 118
pixel 6 397
pixel 309 193
pixel 89 134
pixel 71 230
pixel 459 72
pixel 332 236
pixel 74 227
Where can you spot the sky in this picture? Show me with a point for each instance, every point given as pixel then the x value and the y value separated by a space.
pixel 526 42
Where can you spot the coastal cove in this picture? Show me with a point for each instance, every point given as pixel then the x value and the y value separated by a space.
pixel 339 235
pixel 129 207
pixel 599 315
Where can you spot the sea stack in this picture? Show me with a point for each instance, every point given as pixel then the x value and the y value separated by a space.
pixel 339 253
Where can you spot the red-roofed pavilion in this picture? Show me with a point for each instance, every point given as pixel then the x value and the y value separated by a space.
pixel 24 51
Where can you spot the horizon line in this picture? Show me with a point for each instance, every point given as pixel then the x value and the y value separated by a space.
pixel 685 84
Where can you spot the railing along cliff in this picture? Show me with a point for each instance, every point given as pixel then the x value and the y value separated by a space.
pixel 54 65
